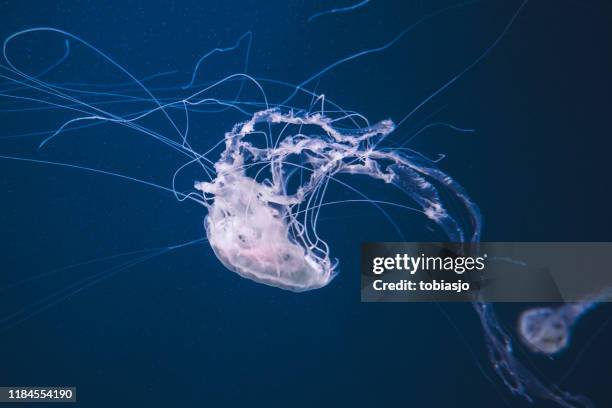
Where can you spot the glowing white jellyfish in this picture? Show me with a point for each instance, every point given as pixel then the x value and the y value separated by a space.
pixel 547 330
pixel 260 231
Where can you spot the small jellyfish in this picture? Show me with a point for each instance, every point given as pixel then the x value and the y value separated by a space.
pixel 547 330
pixel 544 330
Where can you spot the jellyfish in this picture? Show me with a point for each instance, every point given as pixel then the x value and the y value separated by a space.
pixel 547 330
pixel 263 233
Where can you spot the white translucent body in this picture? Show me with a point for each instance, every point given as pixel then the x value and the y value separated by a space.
pixel 251 238
pixel 548 330
pixel 544 330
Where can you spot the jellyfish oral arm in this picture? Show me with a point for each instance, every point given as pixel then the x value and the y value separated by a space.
pixel 257 229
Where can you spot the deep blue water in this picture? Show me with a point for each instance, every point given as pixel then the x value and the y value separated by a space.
pixel 179 329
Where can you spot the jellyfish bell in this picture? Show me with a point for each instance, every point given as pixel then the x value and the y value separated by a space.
pixel 547 330
pixel 544 330
pixel 247 230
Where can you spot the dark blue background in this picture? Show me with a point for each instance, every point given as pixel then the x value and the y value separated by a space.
pixel 180 330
